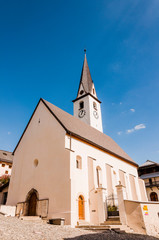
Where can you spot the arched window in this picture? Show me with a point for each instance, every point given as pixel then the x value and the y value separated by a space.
pixel 93 91
pixel 99 176
pixel 95 105
pixel 81 105
pixel 153 196
pixel 81 208
pixel 78 162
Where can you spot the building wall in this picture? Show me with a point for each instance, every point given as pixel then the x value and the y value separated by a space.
pixel 153 189
pixel 43 140
pixel 6 170
pixel 79 177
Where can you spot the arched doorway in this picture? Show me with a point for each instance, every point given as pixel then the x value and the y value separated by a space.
pixel 32 199
pixel 81 211
pixel 153 196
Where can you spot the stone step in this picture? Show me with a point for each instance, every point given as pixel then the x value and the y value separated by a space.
pixel 121 228
pixel 117 228
pixel 113 218
pixel 111 223
pixel 93 227
pixel 31 218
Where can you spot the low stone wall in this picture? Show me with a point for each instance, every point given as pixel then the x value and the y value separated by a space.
pixel 134 218
pixel 150 211
pixel 8 210
pixel 41 208
pixel 143 217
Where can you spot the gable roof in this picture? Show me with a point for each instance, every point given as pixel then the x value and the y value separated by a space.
pixel 148 163
pixel 83 131
pixel 87 133
pixel 6 156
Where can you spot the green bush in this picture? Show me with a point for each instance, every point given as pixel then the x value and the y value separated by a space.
pixel 112 208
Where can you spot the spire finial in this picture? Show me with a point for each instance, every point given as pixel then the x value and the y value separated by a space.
pixel 85 51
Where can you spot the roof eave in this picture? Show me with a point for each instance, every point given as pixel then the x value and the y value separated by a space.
pixel 104 149
pixel 85 96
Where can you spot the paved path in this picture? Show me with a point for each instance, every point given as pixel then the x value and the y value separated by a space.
pixel 16 229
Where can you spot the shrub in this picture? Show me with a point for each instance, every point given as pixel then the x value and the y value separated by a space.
pixel 4 179
pixel 112 208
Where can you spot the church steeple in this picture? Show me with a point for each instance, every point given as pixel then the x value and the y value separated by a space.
pixel 86 85
pixel 86 105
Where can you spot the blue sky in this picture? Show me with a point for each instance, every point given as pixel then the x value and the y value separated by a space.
pixel 41 55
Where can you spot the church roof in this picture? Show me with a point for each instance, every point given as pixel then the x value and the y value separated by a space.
pixel 81 130
pixel 86 79
pixel 86 83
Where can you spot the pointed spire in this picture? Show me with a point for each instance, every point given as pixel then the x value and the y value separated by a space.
pixel 86 82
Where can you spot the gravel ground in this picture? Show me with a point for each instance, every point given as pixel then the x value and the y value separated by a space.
pixel 16 229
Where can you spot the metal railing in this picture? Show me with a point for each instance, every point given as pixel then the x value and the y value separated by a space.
pixel 152 184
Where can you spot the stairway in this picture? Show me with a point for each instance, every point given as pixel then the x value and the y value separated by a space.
pixel 112 221
pixel 111 224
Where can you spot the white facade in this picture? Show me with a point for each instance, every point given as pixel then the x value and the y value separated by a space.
pixel 84 184
pixel 5 168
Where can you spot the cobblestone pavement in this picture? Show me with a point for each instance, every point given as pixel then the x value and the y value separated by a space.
pixel 16 229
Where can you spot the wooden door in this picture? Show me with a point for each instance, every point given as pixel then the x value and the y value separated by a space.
pixel 32 205
pixel 81 207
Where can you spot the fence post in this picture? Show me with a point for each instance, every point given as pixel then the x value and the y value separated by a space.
pixel 121 205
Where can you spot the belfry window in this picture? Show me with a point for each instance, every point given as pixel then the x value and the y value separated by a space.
pixel 93 91
pixel 95 105
pixel 81 105
pixel 78 162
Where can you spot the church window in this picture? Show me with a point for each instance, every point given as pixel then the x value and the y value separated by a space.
pixel 81 105
pixel 36 162
pixel 95 105
pixel 99 176
pixel 3 165
pixel 93 91
pixel 78 162
pixel 81 92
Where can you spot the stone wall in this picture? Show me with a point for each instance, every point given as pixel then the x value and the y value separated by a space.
pixel 143 217
pixel 150 211
pixel 8 210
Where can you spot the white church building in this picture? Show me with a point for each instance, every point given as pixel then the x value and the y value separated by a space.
pixel 66 167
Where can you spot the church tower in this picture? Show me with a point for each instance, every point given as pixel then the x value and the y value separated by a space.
pixel 87 105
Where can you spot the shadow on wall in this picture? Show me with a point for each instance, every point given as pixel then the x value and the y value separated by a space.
pixel 112 235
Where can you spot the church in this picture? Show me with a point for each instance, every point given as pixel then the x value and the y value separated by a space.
pixel 64 166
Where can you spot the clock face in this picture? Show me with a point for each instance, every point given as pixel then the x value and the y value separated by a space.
pixel 95 114
pixel 81 113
